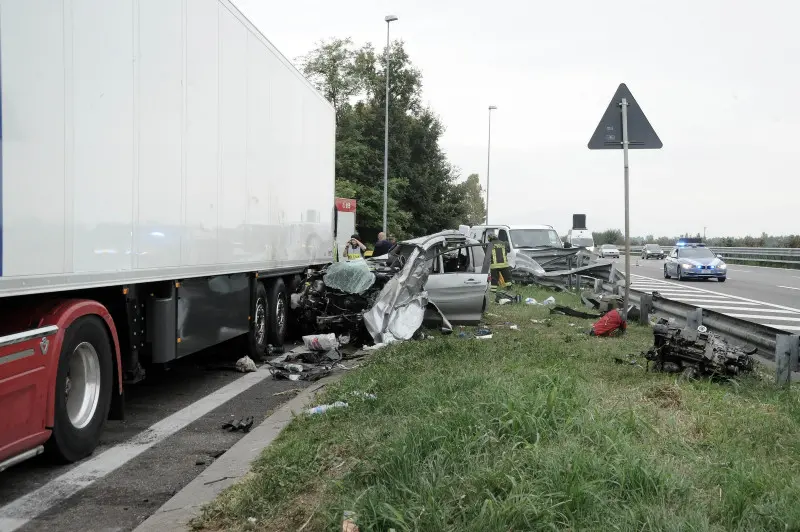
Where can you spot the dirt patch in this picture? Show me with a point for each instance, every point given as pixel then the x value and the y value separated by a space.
pixel 665 395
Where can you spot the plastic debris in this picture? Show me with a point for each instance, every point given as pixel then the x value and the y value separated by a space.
pixel 484 337
pixel 352 277
pixel 349 522
pixel 505 301
pixel 549 301
pixel 245 365
pixel 370 396
pixel 531 301
pixel 321 409
pixel 321 342
pixel 514 327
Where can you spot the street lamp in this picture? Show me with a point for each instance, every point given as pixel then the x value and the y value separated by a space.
pixel 389 19
pixel 489 159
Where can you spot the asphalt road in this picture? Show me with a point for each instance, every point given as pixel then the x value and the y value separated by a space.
pixel 764 295
pixel 174 422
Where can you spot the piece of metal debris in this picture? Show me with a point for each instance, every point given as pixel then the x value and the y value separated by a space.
pixel 243 425
pixel 695 353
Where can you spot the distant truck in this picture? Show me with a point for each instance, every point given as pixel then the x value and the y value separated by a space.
pixel 518 237
pixel 579 236
pixel 167 176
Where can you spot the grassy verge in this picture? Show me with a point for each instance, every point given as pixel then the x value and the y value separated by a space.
pixel 537 428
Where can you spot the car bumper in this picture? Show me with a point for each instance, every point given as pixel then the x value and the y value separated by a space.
pixel 704 273
pixel 654 255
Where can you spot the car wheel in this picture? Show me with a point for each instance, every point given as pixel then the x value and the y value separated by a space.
pixel 84 380
pixel 722 279
pixel 666 273
pixel 277 313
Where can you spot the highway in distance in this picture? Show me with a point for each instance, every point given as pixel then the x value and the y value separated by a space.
pixel 770 296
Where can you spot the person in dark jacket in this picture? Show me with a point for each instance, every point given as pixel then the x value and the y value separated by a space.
pixel 382 246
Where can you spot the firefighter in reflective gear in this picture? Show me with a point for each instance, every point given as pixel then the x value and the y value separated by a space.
pixel 501 272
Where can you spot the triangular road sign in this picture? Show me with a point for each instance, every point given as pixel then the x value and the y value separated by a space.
pixel 608 135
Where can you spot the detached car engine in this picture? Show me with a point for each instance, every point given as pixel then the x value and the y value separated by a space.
pixel 696 352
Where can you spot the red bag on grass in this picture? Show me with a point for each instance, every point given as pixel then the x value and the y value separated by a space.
pixel 609 325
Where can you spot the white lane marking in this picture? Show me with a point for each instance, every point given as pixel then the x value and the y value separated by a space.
pixel 762 317
pixel 789 287
pixel 747 309
pixel 712 301
pixel 26 508
pixel 773 305
pixel 790 327
pixel 739 271
pixel 697 297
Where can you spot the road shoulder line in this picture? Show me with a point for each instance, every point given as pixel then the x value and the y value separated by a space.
pixel 228 469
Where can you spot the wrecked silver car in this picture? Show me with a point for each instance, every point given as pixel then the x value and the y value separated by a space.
pixel 441 278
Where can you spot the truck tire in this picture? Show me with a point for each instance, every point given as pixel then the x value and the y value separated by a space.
pixel 83 390
pixel 277 312
pixel 257 340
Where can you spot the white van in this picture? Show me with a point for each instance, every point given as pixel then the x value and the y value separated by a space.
pixel 518 237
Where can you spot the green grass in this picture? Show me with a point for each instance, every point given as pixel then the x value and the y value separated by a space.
pixel 536 429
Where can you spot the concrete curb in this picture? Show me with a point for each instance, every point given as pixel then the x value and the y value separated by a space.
pixel 229 468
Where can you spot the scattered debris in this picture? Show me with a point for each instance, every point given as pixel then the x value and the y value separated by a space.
pixel 483 332
pixel 370 396
pixel 243 425
pixel 602 302
pixel 696 353
pixel 252 520
pixel 349 522
pixel 290 391
pixel 321 409
pixel 547 302
pixel 514 327
pixel 567 311
pixel 611 324
pixel 246 365
pixel 321 342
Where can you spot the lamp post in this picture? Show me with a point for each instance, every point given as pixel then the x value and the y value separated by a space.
pixel 389 19
pixel 489 159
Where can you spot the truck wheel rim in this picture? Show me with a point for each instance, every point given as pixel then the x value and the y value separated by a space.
pixel 82 388
pixel 280 314
pixel 261 321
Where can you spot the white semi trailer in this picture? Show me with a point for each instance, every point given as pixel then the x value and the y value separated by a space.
pixel 167 175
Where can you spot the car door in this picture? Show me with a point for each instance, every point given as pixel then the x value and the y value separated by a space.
pixel 459 286
pixel 672 262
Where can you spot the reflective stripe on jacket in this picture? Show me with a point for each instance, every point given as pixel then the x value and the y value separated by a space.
pixel 499 258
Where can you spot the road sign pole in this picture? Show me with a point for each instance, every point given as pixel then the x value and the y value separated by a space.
pixel 624 105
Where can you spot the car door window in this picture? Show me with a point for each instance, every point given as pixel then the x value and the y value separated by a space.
pixel 502 235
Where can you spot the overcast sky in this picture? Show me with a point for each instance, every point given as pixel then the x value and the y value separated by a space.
pixel 718 80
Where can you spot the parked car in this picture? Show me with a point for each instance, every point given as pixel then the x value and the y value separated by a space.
pixel 652 251
pixel 695 261
pixel 520 238
pixel 609 250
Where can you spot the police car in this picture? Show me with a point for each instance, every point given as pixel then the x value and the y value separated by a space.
pixel 691 259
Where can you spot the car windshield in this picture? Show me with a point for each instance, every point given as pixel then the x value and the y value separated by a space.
pixel 653 247
pixel 695 253
pixel 533 238
pixel 583 242
pixel 609 246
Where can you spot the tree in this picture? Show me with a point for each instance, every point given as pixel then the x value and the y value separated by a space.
pixel 423 190
pixel 471 196
pixel 331 68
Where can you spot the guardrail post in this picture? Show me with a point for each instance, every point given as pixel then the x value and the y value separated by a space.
pixel 598 286
pixel 694 319
pixel 786 355
pixel 645 308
